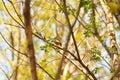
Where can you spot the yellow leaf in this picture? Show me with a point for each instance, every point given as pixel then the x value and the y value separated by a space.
pixel 1 7
pixel 1 20
pixel 78 35
pixel 113 7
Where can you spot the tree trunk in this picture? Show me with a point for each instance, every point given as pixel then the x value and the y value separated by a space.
pixel 111 34
pixel 28 32
pixel 110 29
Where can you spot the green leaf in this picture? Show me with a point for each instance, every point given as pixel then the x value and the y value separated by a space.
pixel 95 71
pixel 95 54
pixel 112 70
pixel 84 3
pixel 87 33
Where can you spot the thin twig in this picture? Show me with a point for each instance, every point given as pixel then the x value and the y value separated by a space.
pixel 10 14
pixel 80 61
pixel 57 77
pixel 77 14
pixel 26 56
pixel 12 25
pixel 16 12
pixel 5 73
pixel 76 66
pixel 12 46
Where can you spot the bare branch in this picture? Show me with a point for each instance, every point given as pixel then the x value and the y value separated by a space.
pixel 10 14
pixel 5 73
pixel 16 12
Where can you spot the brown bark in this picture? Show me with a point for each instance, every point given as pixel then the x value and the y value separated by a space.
pixel 12 43
pixel 18 56
pixel 111 34
pixel 28 32
pixel 110 29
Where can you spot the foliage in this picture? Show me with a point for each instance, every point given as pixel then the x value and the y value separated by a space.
pixel 114 8
pixel 95 54
pixel 83 37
